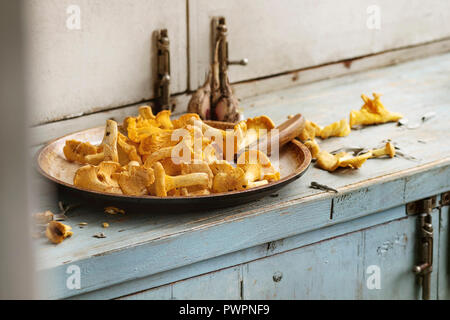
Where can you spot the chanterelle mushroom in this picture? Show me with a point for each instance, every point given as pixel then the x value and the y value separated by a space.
pixel 98 178
pixel 229 181
pixel 336 129
pixel 83 152
pixel 388 150
pixel 135 180
pixel 257 166
pixel 56 232
pixel 372 112
pixel 164 183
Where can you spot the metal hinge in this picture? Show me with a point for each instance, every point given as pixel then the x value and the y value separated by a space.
pixel 220 33
pixel 423 205
pixel 163 81
pixel 424 208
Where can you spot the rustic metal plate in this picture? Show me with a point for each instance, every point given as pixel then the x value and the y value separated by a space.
pixel 294 160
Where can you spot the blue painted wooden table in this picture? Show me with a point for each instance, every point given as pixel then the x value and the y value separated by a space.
pixel 299 243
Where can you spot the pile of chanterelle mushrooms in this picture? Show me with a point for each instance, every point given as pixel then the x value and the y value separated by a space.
pixel 372 112
pixel 154 155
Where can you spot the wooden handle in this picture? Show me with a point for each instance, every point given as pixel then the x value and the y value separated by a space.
pixel 287 131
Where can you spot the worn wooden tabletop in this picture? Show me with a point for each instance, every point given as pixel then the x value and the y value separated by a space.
pixel 157 241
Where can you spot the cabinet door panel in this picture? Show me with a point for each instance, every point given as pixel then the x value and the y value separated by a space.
pixel 344 267
pixel 444 256
pixel 393 247
pixel 326 270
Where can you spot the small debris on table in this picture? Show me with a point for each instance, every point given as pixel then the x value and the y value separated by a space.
pixel 43 217
pixel 114 210
pixel 99 235
pixel 105 224
pixel 82 224
pixel 315 185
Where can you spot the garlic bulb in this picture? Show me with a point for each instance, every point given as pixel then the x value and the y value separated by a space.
pixel 200 102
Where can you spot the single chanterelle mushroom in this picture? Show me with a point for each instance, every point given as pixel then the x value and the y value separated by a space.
pixel 331 162
pixel 163 119
pixel 56 232
pixel 164 183
pixel 83 152
pixel 388 150
pixel 233 180
pixel 257 166
pixel 372 112
pixel 135 180
pixel 98 178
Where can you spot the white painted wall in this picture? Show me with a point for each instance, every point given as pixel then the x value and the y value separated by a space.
pixel 284 35
pixel 110 61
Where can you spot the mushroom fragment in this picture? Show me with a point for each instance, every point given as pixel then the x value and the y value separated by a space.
pixel 310 131
pixel 388 150
pixel 56 232
pixel 372 112
pixel 127 150
pixel 43 217
pixel 313 148
pixel 336 129
pixel 164 183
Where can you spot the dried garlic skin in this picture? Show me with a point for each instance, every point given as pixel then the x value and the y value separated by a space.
pixel 336 129
pixel 56 232
pixel 372 112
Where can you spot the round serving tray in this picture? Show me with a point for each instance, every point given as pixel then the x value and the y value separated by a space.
pixel 294 160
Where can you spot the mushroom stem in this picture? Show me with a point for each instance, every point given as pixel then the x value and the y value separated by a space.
pixel 110 141
pixel 187 180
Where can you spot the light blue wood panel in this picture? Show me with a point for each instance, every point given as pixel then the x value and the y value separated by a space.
pixel 444 255
pixel 160 293
pixel 393 248
pixel 243 256
pixel 223 284
pixel 326 270
pixel 219 285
